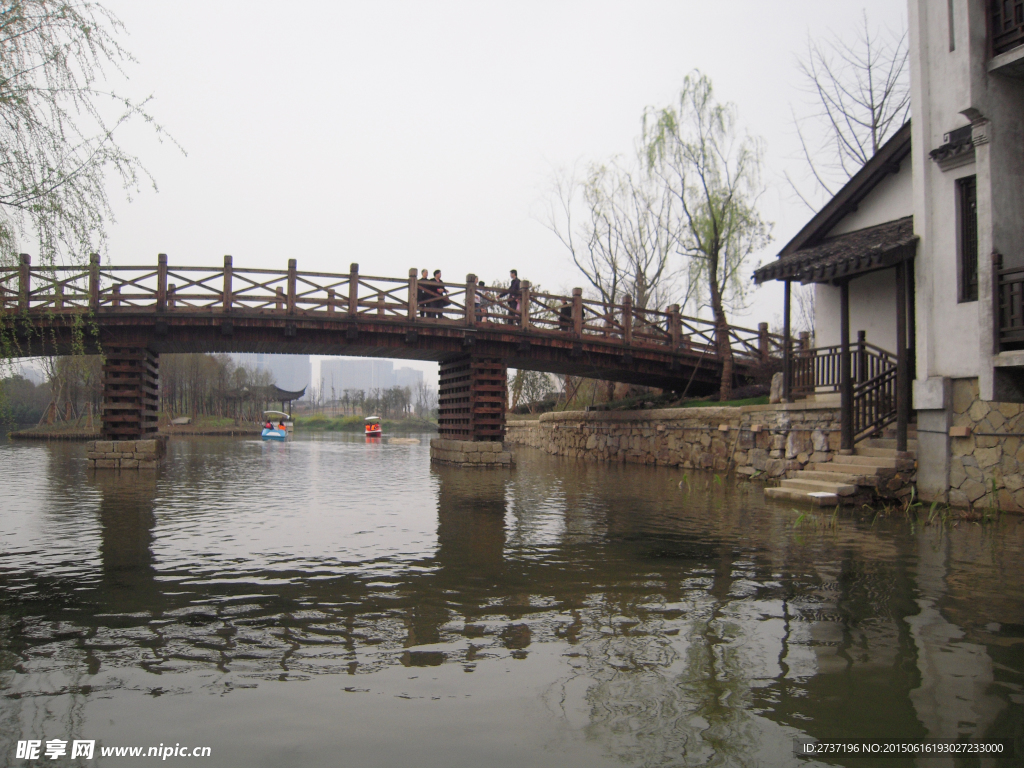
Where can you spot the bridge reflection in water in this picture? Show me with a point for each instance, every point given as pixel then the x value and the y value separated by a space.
pixel 697 628
pixel 135 313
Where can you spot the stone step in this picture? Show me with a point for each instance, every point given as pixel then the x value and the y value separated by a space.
pixel 805 497
pixel 888 453
pixel 823 486
pixel 886 442
pixel 866 461
pixel 853 470
pixel 828 477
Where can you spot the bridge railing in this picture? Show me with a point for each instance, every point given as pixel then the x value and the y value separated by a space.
pixel 225 289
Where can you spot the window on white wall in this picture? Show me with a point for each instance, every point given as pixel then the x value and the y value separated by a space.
pixel 967 238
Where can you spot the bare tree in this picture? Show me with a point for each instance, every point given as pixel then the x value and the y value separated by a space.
pixel 617 223
pixel 859 95
pixel 713 174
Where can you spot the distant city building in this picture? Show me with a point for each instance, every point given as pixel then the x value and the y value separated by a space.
pixel 291 372
pixel 365 374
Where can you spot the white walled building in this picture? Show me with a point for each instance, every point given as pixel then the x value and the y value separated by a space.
pixel 937 218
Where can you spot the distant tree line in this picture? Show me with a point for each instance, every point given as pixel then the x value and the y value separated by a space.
pixel 190 385
pixel 388 402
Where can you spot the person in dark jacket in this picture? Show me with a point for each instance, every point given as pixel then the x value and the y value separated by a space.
pixel 514 292
pixel 423 293
pixel 440 300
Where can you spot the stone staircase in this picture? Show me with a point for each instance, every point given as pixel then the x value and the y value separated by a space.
pixel 848 479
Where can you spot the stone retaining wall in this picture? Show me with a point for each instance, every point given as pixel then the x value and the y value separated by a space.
pixel 125 454
pixel 470 454
pixel 764 441
pixel 986 464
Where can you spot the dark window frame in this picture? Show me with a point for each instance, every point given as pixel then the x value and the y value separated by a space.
pixel 967 238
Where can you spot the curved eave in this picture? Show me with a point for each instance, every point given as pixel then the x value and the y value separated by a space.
pixel 859 264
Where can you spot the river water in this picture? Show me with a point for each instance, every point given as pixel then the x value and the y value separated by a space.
pixel 332 602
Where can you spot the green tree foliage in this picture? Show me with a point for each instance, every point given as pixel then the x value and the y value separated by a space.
pixel 25 402
pixel 58 125
pixel 713 172
pixel 529 387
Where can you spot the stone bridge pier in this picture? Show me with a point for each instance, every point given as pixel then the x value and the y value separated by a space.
pixel 471 413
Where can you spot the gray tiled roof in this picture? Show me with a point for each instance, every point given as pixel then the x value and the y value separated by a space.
pixel 851 253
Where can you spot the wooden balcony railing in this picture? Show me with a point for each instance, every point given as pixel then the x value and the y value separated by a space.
pixel 1006 26
pixel 1009 305
pixel 817 370
pixel 873 374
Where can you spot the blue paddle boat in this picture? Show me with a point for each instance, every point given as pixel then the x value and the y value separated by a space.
pixel 274 425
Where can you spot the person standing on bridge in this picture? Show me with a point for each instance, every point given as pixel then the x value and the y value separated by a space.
pixel 483 301
pixel 514 292
pixel 441 295
pixel 423 294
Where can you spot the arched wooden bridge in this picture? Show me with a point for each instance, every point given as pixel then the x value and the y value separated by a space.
pixel 132 314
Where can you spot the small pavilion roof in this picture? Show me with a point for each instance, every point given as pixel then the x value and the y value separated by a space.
pixel 864 250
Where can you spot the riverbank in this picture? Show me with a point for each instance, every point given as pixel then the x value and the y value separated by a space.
pixel 358 424
pixel 211 426
pixel 758 441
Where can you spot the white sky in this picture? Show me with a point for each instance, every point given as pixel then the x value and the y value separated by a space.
pixel 425 134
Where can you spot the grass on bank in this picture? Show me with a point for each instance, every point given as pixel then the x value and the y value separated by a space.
pixel 646 402
pixel 321 423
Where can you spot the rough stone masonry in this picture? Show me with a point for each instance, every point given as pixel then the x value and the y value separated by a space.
pixel 470 453
pixel 125 454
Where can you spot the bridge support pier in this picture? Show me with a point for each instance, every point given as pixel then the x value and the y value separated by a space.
pixel 130 400
pixel 471 413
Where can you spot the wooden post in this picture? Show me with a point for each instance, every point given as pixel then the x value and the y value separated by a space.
pixel 524 305
pixel 161 282
pixel 291 286
pixel 58 296
pixel 353 289
pixel 997 303
pixel 470 299
pixel 861 374
pixel 24 282
pixel 627 320
pixel 94 281
pixel 382 300
pixel 902 363
pixel 845 379
pixel 279 298
pixel 115 296
pixel 330 301
pixel 787 350
pixel 675 327
pixel 227 297
pixel 763 342
pixel 577 312
pixel 805 342
pixel 414 292
pixel 172 291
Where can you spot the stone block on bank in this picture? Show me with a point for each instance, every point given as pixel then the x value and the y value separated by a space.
pixel 124 446
pixel 103 446
pixel 148 464
pixel 106 463
pixel 129 464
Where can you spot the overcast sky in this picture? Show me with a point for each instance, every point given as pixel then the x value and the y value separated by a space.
pixel 425 134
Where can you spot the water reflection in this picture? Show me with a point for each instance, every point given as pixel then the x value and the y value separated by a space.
pixel 668 626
